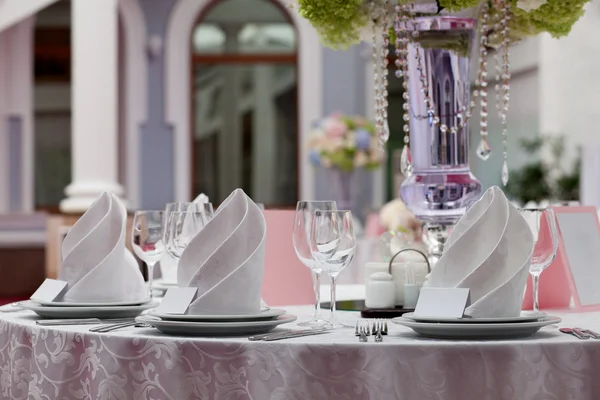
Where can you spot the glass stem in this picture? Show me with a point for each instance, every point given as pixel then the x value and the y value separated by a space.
pixel 536 285
pixel 150 275
pixel 332 320
pixel 317 288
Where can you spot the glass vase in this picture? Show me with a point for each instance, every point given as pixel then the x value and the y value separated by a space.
pixel 441 186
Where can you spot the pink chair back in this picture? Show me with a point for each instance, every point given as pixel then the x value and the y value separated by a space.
pixel 373 227
pixel 286 280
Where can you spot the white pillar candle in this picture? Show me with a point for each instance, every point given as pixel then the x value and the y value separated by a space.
pixel 94 130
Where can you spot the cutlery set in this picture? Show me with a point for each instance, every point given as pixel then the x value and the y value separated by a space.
pixel 579 333
pixel 364 328
pixel 377 328
pixel 112 325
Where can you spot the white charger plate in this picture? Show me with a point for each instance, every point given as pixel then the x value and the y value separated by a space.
pixel 482 331
pixel 106 304
pixel 194 328
pixel 526 316
pixel 87 312
pixel 271 313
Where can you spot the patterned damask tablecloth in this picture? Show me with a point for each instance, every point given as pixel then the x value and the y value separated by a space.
pixel 72 363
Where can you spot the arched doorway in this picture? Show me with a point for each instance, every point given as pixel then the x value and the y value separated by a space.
pixel 178 107
pixel 244 96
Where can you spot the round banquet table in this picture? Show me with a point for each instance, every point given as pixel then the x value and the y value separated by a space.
pixel 69 362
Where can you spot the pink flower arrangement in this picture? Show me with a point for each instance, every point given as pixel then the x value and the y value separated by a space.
pixel 346 143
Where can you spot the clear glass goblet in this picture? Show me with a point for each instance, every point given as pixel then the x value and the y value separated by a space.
pixel 300 237
pixel 147 239
pixel 206 208
pixel 333 244
pixel 168 263
pixel 181 227
pixel 545 237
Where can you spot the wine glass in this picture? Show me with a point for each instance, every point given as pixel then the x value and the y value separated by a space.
pixel 206 208
pixel 332 244
pixel 147 239
pixel 181 227
pixel 300 237
pixel 546 245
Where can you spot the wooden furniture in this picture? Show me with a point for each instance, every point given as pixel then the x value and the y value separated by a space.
pixel 22 252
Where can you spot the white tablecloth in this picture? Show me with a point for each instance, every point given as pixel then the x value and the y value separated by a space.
pixel 138 363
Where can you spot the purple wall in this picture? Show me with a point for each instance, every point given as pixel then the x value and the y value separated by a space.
pixel 157 142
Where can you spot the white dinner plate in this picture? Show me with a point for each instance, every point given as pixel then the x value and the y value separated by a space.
pixel 526 316
pixel 263 315
pixel 482 331
pixel 86 312
pixel 106 304
pixel 195 328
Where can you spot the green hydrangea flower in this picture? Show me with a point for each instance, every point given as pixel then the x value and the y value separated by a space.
pixel 457 5
pixel 555 17
pixel 337 21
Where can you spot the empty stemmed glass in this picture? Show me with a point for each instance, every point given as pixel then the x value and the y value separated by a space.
pixel 169 263
pixel 147 239
pixel 546 245
pixel 181 227
pixel 300 237
pixel 333 244
pixel 205 208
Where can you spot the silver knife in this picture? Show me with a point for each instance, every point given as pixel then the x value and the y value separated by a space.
pixel 593 334
pixel 582 332
pixel 292 335
pixel 268 337
pixel 259 337
pixel 53 322
pixel 80 321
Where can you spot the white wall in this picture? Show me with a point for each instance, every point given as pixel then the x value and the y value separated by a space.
pixel 571 71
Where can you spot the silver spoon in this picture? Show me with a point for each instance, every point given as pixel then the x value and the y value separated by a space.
pixel 574 332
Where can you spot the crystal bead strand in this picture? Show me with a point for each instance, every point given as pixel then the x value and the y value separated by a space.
pixel 484 151
pixel 385 51
pixel 377 73
pixel 401 30
pixel 505 85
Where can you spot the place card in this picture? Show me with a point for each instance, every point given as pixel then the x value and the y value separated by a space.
pixel 177 300
pixel 442 302
pixel 49 291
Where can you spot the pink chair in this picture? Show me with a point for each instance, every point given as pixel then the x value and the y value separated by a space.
pixel 373 227
pixel 286 280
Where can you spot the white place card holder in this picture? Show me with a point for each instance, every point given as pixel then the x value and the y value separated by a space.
pixel 177 300
pixel 442 302
pixel 49 290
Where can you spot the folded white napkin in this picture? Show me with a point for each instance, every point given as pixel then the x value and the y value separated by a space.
pixel 225 260
pixel 201 199
pixel 96 264
pixel 488 252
